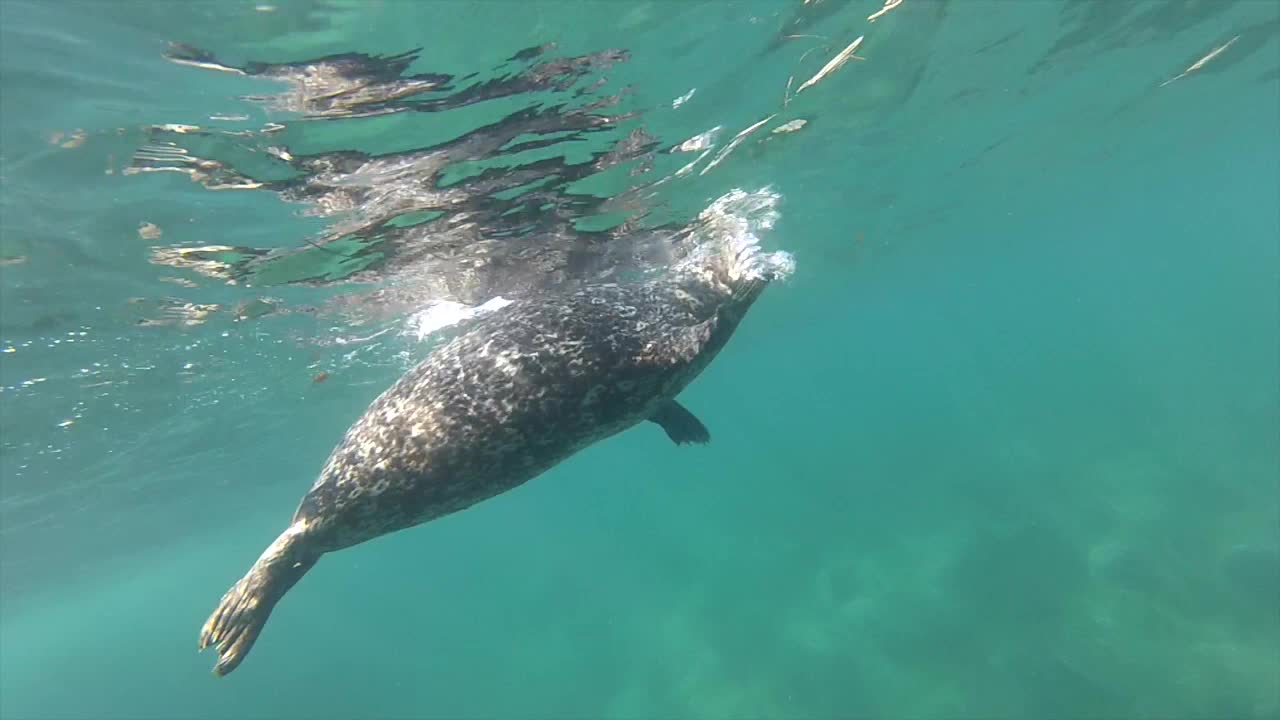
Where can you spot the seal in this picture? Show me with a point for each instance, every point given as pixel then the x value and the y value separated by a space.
pixel 509 397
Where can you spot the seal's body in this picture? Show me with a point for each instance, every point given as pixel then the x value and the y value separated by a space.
pixel 518 392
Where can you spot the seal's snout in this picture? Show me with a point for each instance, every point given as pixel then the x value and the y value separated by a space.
pixel 729 247
pixel 750 262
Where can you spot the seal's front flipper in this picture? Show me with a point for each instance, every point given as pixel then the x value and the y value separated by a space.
pixel 680 424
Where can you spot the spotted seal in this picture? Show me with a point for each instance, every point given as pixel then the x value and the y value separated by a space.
pixel 506 399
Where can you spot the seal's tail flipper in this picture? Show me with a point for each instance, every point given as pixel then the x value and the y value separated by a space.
pixel 236 623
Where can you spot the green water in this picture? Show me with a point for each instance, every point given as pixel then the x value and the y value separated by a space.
pixel 1007 445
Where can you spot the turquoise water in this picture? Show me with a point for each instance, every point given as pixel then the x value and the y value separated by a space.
pixel 1006 445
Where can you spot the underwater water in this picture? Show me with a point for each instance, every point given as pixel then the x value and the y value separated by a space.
pixel 1005 445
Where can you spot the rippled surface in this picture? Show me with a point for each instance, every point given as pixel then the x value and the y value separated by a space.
pixel 1005 445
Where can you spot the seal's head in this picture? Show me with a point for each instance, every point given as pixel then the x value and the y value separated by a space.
pixel 727 251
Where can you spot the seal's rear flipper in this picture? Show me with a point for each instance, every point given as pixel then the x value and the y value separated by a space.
pixel 235 624
pixel 680 424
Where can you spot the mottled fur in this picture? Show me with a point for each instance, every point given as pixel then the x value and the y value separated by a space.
pixel 517 393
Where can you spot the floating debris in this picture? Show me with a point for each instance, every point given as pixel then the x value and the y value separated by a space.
pixel 834 64
pixel 253 309
pixel 789 127
pixel 200 259
pixel 149 231
pixel 1202 61
pixel 737 140
pixel 888 5
pixel 194 313
pixel 688 167
pixel 701 141
pixel 168 157
pixel 74 140
pixel 177 128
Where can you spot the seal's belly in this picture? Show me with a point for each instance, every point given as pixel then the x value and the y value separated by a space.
pixel 371 487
